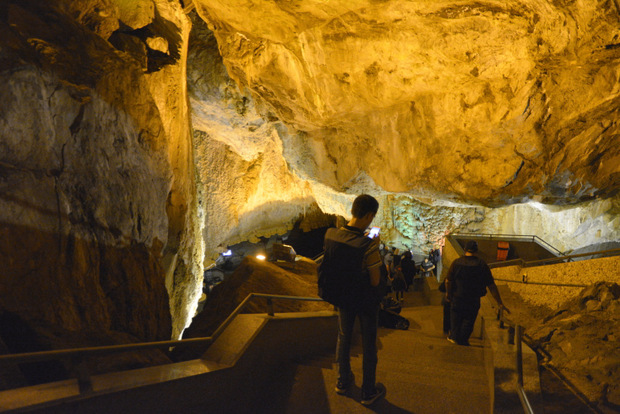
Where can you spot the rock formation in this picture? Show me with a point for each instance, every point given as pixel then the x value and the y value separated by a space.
pixel 491 102
pixel 461 124
pixel 98 201
pixel 580 339
pixel 139 138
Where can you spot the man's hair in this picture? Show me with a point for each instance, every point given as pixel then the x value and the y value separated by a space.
pixel 471 246
pixel 364 204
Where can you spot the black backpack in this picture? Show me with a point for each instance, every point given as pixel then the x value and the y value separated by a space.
pixel 342 281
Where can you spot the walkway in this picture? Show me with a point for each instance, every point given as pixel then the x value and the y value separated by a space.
pixel 422 371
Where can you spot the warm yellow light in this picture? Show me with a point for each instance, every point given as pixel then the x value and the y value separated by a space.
pixel 260 257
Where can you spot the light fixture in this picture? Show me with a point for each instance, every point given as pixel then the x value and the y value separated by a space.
pixel 260 257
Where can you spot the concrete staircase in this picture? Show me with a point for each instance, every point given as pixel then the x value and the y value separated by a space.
pixel 422 371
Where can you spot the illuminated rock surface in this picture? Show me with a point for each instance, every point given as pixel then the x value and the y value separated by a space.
pixel 98 204
pixel 486 102
pixel 417 103
pixel 132 149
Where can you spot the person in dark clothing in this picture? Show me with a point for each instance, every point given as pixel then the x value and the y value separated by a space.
pixel 399 285
pixel 397 256
pixel 427 268
pixel 446 308
pixel 409 268
pixel 466 282
pixel 434 256
pixel 350 254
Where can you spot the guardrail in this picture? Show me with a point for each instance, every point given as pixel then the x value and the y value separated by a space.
pixel 505 237
pixel 525 403
pixel 517 340
pixel 516 337
pixel 77 355
pixel 554 260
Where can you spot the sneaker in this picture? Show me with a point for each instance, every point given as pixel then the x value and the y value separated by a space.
pixel 343 384
pixel 368 399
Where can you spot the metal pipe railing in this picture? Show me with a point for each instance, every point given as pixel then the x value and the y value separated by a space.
pixel 525 403
pixel 610 252
pixel 491 236
pixel 525 282
pixel 77 355
pixel 553 260
pixel 516 338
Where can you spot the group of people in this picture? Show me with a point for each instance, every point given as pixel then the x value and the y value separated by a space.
pixel 402 272
pixel 355 258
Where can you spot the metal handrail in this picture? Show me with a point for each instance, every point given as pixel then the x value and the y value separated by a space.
pixel 78 354
pixel 553 260
pixel 525 403
pixel 518 336
pixel 525 282
pixel 491 236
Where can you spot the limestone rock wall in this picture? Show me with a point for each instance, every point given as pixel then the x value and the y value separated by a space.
pixel 246 188
pixel 441 110
pixel 407 222
pixel 492 103
pixel 565 228
pixel 98 209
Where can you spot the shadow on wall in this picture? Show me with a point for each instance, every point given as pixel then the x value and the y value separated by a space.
pixel 65 292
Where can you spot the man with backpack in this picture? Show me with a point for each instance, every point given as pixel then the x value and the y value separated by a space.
pixel 349 278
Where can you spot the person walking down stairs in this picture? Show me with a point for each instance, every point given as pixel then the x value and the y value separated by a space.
pixel 466 282
pixel 349 277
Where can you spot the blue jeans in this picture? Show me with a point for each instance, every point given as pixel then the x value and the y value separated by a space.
pixel 368 325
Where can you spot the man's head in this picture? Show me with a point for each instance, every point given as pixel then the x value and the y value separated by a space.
pixel 364 204
pixel 471 247
pixel 364 210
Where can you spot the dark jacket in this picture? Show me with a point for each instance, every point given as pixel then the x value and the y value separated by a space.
pixel 469 277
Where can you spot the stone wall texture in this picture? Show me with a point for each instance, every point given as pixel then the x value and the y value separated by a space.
pixel 138 139
pixel 100 236
pixel 490 103
pixel 440 109
pixel 584 272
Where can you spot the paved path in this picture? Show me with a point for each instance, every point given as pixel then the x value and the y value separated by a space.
pixel 422 371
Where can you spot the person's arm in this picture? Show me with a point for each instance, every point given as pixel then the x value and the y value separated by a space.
pixel 449 283
pixel 373 262
pixel 375 276
pixel 495 293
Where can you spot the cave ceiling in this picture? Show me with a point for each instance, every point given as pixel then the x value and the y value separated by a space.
pixel 481 102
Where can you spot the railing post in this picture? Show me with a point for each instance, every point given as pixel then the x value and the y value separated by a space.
pixel 519 336
pixel 511 335
pixel 270 311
